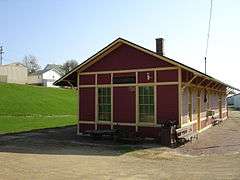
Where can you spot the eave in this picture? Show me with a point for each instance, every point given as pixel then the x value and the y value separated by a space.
pixel 70 78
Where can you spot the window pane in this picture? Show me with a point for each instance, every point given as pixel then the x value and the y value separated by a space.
pixel 100 100
pixel 109 108
pixel 109 117
pixel 141 108
pixel 145 100
pixel 141 90
pixel 104 100
pixel 144 109
pixel 151 100
pixel 108 91
pixel 103 117
pixel 141 118
pixel 109 100
pixel 141 100
pixel 145 90
pixel 99 91
pixel 105 108
pixel 151 91
pixel 151 109
pixel 100 109
pixel 100 116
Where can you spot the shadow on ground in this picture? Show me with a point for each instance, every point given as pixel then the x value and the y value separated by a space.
pixel 64 141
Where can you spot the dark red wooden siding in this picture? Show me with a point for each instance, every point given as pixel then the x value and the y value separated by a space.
pixel 124 104
pixel 126 57
pixel 167 103
pixel 146 77
pixel 87 104
pixel 151 132
pixel 167 76
pixel 104 78
pixel 87 79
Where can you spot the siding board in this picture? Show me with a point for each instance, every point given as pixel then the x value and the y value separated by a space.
pixel 167 76
pixel 167 103
pixel 87 79
pixel 124 104
pixel 87 104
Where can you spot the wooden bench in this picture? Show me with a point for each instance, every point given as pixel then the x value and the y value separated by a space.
pixel 186 134
pixel 217 121
pixel 116 134
pixel 100 133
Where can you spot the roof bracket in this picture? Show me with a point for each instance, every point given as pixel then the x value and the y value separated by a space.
pixel 189 82
pixel 202 81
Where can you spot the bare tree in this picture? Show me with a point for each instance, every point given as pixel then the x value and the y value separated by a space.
pixel 31 62
pixel 69 65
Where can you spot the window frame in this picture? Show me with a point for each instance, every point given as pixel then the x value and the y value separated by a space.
pixel 104 104
pixel 146 101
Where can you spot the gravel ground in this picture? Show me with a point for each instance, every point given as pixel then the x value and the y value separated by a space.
pixel 60 154
pixel 222 139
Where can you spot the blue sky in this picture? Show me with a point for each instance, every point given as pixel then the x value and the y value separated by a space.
pixel 57 30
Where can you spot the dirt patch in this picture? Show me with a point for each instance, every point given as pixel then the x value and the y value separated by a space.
pixel 60 154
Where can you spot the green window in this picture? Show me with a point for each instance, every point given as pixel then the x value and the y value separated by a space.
pixel 104 104
pixel 146 104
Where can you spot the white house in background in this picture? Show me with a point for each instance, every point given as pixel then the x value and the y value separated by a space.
pixel 47 76
pixel 234 101
pixel 230 100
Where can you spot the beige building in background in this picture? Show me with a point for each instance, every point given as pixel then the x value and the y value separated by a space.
pixel 35 79
pixel 17 73
pixel 13 73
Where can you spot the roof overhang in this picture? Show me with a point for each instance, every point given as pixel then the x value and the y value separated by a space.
pixel 71 77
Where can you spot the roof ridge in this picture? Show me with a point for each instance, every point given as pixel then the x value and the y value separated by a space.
pixel 164 58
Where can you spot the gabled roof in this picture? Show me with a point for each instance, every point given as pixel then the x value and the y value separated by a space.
pixel 48 67
pixel 54 67
pixel 238 94
pixel 13 64
pixel 69 77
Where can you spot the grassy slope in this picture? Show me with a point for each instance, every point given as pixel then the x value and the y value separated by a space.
pixel 30 100
pixel 24 107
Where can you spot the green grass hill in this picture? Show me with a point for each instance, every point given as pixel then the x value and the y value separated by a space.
pixel 24 107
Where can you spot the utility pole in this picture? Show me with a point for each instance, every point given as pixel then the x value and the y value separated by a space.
pixel 1 53
pixel 205 59
pixel 208 35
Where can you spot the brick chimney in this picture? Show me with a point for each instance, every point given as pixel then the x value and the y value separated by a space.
pixel 159 46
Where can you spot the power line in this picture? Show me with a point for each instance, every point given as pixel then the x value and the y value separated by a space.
pixel 1 53
pixel 208 35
